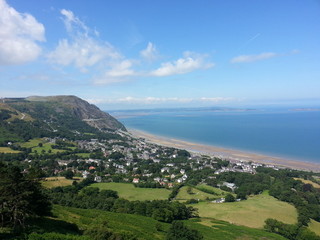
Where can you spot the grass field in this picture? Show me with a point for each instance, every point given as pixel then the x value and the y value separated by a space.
pixel 7 150
pixel 34 144
pixel 315 185
pixel 128 191
pixel 315 226
pixel 198 194
pixel 52 182
pixel 251 213
pixel 31 143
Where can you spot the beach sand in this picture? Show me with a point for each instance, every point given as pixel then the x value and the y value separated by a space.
pixel 229 154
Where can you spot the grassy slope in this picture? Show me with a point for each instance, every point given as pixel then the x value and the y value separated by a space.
pixel 7 150
pixel 128 191
pixel 252 212
pixel 145 228
pixel 34 144
pixel 220 230
pixel 315 226
pixel 52 182
pixel 197 194
pixel 315 185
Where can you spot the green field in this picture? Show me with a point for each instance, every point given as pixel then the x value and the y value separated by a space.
pixel 7 150
pixel 128 191
pixel 52 182
pixel 251 213
pixel 34 144
pixel 315 226
pixel 31 143
pixel 221 230
pixel 196 193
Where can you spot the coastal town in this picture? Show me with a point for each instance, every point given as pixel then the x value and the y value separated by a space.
pixel 137 160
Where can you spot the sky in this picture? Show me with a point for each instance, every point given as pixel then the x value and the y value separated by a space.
pixel 128 54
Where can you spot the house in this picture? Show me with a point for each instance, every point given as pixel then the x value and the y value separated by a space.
pixel 135 180
pixel 85 174
pixel 219 200
pixel 97 179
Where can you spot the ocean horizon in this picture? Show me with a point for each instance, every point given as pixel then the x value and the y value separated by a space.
pixel 285 133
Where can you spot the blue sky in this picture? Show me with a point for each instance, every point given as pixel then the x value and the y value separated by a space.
pixel 147 54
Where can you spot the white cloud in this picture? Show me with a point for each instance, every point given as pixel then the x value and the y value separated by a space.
pixel 150 53
pixel 119 72
pixel 190 62
pixel 157 100
pixel 82 51
pixel 19 33
pixel 253 58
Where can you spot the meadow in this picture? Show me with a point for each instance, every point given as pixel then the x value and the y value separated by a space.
pixel 7 150
pixel 46 146
pixel 196 193
pixel 52 182
pixel 315 185
pixel 251 212
pixel 130 192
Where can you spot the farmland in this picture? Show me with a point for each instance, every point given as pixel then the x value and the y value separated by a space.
pixel 129 192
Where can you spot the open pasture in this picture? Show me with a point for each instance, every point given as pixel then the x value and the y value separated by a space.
pixel 251 213
pixel 52 182
pixel 130 192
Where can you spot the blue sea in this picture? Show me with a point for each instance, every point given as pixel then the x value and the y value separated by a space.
pixel 293 134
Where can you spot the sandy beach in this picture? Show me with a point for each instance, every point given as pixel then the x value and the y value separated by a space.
pixel 230 154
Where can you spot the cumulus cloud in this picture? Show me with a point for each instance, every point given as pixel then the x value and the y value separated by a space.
pixel 150 53
pixel 190 62
pixel 19 34
pixel 82 50
pixel 119 72
pixel 157 100
pixel 253 58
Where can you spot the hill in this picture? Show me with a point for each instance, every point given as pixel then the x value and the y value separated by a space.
pixel 64 116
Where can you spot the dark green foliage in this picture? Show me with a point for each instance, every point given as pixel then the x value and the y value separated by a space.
pixel 175 191
pixel 20 197
pixel 290 231
pixel 178 231
pixel 229 198
pixel 68 174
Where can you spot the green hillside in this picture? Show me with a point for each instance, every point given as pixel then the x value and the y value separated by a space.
pixel 70 223
pixel 252 212
pixel 132 193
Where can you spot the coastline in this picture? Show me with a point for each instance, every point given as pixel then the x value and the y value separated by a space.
pixel 229 154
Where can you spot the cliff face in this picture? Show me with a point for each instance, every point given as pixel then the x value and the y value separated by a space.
pixel 70 105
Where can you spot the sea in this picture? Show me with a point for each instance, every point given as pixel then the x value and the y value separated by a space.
pixel 286 133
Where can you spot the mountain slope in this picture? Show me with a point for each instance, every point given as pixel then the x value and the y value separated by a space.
pixel 55 116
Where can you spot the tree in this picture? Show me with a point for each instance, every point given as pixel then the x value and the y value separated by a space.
pixel 68 174
pixel 20 197
pixel 178 231
pixel 230 198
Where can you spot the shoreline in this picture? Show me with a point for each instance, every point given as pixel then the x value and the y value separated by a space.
pixel 226 153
